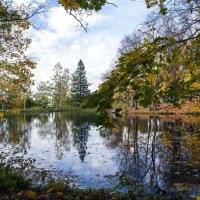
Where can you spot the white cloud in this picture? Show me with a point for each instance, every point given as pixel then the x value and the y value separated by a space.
pixel 60 41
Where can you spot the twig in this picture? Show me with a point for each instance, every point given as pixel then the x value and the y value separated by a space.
pixel 78 20
pixel 111 4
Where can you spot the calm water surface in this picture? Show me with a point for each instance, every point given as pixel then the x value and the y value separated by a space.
pixel 153 154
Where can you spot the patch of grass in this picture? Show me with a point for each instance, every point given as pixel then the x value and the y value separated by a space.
pixel 14 111
pixel 46 110
pixel 11 181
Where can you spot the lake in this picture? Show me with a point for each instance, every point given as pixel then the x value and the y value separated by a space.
pixel 149 154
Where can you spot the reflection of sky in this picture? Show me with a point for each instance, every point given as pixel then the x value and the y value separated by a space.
pixel 98 161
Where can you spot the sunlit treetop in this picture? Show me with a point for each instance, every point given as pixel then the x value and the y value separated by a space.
pixel 74 5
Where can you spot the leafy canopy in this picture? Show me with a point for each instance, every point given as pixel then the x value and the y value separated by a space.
pixel 162 64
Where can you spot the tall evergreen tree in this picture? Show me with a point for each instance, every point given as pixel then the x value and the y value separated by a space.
pixel 79 88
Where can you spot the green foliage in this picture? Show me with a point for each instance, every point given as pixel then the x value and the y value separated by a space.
pixel 75 104
pixel 30 102
pixel 57 186
pixel 82 4
pixel 10 180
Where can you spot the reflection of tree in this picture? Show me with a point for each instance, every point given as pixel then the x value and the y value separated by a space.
pixel 138 161
pixel 61 130
pixel 145 157
pixel 80 129
pixel 58 126
pixel 184 140
pixel 44 124
pixel 16 131
pixel 55 126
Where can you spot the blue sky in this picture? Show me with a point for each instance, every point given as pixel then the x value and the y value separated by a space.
pixel 60 41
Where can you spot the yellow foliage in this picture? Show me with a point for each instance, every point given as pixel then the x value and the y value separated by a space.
pixel 15 111
pixel 69 4
pixel 196 108
pixel 117 96
pixel 195 85
pixel 1 116
pixel 31 194
pixel 152 77
pixel 187 77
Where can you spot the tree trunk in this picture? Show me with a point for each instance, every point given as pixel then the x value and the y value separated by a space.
pixel 136 105
pixel 155 107
pixel 24 103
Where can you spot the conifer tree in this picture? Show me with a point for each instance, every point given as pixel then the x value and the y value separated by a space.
pixel 79 89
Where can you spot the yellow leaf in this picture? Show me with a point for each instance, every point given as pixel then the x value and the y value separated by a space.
pixel 31 194
pixel 59 194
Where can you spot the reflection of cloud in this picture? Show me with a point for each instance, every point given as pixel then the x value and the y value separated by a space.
pixel 95 163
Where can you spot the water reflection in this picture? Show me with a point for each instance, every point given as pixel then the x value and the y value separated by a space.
pixel 16 132
pixel 80 129
pixel 160 153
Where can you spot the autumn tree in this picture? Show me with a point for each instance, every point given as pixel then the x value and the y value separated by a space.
pixel 15 66
pixel 60 86
pixel 163 64
pixel 54 92
pixel 43 96
pixel 79 88
pixel 177 38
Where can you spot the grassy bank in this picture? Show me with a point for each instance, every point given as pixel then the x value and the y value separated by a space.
pixel 61 191
pixel 14 187
pixel 68 108
pixel 186 108
pixel 44 110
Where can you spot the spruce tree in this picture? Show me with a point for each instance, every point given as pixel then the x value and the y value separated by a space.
pixel 79 89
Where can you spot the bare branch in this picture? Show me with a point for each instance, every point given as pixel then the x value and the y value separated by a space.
pixel 111 3
pixel 79 21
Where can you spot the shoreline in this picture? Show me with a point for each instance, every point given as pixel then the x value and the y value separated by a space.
pixel 163 109
pixel 44 110
pixel 188 108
